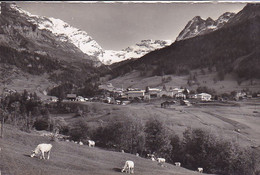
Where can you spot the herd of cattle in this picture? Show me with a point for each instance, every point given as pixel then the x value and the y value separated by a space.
pixel 128 167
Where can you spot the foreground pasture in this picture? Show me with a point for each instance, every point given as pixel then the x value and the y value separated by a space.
pixel 68 158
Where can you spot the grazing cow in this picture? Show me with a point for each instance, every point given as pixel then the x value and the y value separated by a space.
pixel 177 164
pixel 161 161
pixel 129 167
pixel 91 143
pixel 80 143
pixel 42 148
pixel 200 170
pixel 151 156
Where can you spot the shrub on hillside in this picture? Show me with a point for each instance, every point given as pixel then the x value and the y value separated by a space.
pixel 79 131
pixel 41 124
pixel 157 138
pixel 127 135
pixel 201 149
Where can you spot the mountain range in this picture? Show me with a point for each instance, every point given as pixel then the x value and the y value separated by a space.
pixel 81 39
pixel 231 48
pixel 62 53
pixel 136 51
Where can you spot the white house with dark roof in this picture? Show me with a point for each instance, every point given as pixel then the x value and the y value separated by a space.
pixel 204 97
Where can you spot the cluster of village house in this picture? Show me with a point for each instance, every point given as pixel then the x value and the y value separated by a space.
pixel 120 96
pixel 152 93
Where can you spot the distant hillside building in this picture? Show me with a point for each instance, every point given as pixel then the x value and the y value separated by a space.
pixel 180 95
pixel 240 95
pixel 80 98
pixel 154 92
pixel 133 94
pixel 204 96
pixel 167 93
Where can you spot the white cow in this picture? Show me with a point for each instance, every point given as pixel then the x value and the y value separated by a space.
pixel 161 161
pixel 80 143
pixel 91 143
pixel 151 156
pixel 200 170
pixel 42 148
pixel 129 167
pixel 177 164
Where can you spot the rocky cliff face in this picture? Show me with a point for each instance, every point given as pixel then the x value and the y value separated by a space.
pixel 198 26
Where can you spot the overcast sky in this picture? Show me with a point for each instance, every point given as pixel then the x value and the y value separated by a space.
pixel 119 25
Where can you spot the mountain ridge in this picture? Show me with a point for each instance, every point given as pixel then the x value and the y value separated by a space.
pixel 217 49
pixel 198 26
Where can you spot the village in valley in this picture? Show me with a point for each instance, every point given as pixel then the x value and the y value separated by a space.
pixel 142 88
pixel 170 96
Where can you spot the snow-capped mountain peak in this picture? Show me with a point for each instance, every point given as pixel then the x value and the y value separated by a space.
pixel 80 39
pixel 198 26
pixel 136 51
pixel 64 32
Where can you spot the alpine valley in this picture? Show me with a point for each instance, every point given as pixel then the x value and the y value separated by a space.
pixel 40 53
pixel 184 106
pixel 221 54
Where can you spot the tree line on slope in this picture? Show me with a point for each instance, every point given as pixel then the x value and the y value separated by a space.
pixel 196 148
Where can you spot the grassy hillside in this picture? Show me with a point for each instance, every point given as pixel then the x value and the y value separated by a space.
pixel 227 85
pixel 220 119
pixel 67 158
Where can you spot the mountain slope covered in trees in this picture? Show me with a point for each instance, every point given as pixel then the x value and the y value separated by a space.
pixel 234 48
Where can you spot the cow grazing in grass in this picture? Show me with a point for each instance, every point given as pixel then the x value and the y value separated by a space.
pixel 41 149
pixel 161 161
pixel 91 143
pixel 200 170
pixel 129 167
pixel 177 164
pixel 151 156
